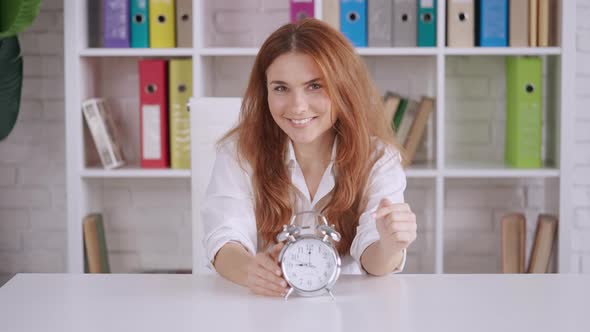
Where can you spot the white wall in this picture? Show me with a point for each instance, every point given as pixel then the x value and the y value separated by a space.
pixel 581 190
pixel 145 231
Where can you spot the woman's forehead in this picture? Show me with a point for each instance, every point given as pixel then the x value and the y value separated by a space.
pixel 293 68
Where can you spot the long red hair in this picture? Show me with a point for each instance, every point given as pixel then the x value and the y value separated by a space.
pixel 359 109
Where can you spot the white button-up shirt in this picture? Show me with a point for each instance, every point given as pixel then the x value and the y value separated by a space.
pixel 228 208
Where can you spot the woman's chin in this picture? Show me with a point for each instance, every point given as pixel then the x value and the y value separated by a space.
pixel 302 139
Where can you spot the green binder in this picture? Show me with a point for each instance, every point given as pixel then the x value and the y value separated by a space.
pixel 181 88
pixel 524 104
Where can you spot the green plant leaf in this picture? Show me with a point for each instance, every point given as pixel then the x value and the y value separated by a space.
pixel 11 80
pixel 17 15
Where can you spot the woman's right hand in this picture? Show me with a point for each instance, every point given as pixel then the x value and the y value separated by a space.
pixel 264 273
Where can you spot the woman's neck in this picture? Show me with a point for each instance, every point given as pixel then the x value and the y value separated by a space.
pixel 315 154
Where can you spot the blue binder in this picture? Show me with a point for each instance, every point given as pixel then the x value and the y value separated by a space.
pixel 353 21
pixel 140 32
pixel 427 23
pixel 492 24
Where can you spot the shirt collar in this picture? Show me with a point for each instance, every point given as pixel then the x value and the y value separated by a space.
pixel 291 160
pixel 327 181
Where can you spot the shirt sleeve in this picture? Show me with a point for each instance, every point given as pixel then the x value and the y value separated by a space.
pixel 227 210
pixel 386 180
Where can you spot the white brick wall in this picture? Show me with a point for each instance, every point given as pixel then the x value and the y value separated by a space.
pixel 581 192
pixel 146 231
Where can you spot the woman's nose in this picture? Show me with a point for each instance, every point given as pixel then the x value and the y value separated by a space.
pixel 300 104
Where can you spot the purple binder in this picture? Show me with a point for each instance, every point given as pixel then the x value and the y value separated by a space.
pixel 116 23
pixel 301 9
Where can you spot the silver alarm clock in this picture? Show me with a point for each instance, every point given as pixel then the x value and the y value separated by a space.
pixel 310 262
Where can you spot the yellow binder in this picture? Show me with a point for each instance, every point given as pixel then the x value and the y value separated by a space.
pixel 162 23
pixel 180 89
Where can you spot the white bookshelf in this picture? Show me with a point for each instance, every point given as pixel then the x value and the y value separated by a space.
pixel 504 51
pixel 80 77
pixel 136 52
pixel 130 172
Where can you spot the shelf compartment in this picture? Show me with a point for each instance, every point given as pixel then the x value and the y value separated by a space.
pixel 228 51
pixel 479 169
pixel 473 212
pixel 363 51
pixel 401 51
pixel 420 195
pixel 135 52
pixel 475 119
pixel 503 51
pixel 134 172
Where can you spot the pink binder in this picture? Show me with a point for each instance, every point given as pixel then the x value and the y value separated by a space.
pixel 301 9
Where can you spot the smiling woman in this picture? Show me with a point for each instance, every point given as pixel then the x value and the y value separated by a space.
pixel 298 102
pixel 311 137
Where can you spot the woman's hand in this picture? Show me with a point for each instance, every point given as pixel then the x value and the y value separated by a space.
pixel 264 273
pixel 396 224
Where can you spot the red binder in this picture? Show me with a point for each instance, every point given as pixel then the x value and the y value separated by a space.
pixel 153 113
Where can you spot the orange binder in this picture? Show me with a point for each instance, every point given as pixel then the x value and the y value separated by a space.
pixel 153 113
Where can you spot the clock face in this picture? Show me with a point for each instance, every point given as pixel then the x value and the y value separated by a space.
pixel 309 264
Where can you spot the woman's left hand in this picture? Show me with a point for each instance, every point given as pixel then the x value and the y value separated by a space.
pixel 396 224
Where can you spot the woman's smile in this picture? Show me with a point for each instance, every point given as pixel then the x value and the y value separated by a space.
pixel 302 123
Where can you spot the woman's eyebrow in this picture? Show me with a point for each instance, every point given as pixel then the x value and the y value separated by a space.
pixel 285 83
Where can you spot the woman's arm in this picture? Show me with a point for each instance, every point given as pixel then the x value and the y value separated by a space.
pixel 396 225
pixel 379 260
pixel 388 225
pixel 229 228
pixel 231 261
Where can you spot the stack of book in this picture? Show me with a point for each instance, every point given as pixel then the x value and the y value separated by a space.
pixel 514 243
pixel 410 120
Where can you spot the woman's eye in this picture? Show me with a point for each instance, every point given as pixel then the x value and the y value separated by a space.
pixel 315 86
pixel 280 88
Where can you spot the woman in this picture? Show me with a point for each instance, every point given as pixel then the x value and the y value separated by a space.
pixel 312 136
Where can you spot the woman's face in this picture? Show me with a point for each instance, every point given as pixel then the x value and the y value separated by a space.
pixel 297 98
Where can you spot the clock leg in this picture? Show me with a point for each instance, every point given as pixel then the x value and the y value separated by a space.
pixel 330 292
pixel 288 293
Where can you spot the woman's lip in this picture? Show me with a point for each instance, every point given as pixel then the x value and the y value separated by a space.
pixel 309 117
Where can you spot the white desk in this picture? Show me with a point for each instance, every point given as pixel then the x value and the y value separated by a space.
pixel 106 303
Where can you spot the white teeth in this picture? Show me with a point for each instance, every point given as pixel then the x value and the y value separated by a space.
pixel 300 122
